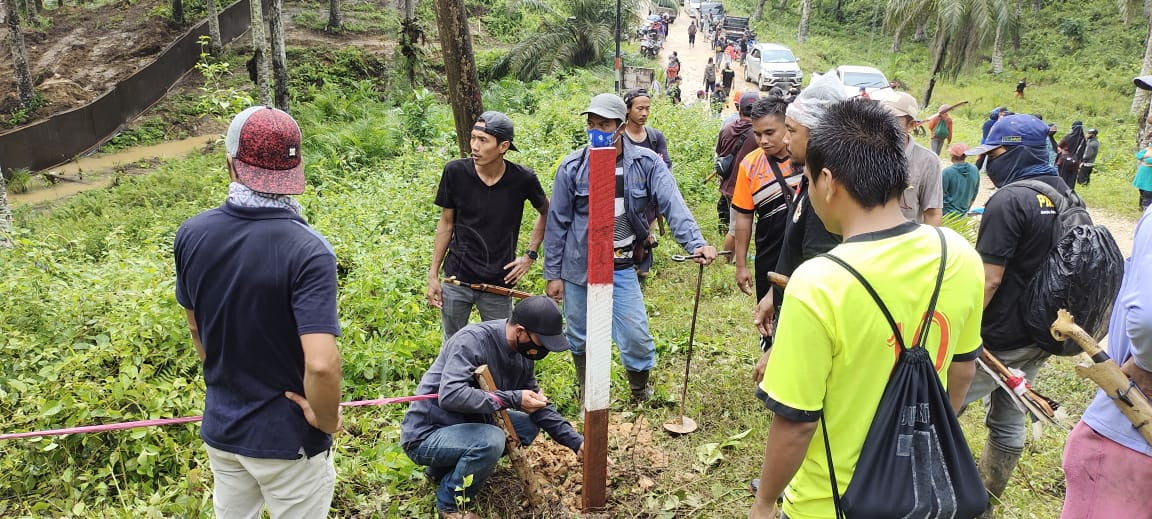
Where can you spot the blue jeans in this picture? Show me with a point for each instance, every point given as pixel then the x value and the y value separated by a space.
pixel 629 320
pixel 460 450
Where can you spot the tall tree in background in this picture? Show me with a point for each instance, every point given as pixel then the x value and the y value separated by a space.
pixel 805 14
pixel 410 48
pixel 759 11
pixel 260 53
pixel 1127 9
pixel 575 33
pixel 5 213
pixel 335 21
pixel 460 69
pixel 11 13
pixel 178 12
pixel 214 46
pixel 279 56
pixel 963 29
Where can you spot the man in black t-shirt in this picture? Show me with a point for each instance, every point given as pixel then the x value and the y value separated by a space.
pixel 1015 238
pixel 482 203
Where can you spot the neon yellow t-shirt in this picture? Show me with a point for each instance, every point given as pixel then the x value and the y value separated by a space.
pixel 834 349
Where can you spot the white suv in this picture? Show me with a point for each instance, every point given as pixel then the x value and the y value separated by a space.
pixel 854 77
pixel 769 64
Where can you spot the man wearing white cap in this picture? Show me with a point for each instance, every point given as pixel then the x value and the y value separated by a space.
pixel 804 234
pixel 259 289
pixel 642 178
pixel 923 202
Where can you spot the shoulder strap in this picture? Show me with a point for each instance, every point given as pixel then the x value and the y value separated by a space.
pixel 926 323
pixel 785 192
pixel 922 336
pixel 1039 186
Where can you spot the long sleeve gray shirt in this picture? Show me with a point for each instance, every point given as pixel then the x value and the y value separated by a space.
pixel 461 399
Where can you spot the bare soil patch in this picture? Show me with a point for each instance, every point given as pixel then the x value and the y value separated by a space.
pixel 84 52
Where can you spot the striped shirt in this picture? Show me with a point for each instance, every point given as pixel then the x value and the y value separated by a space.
pixel 757 188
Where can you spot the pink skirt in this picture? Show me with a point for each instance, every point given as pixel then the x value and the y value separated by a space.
pixel 1105 480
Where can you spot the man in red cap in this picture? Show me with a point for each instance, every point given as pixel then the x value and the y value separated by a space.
pixel 259 289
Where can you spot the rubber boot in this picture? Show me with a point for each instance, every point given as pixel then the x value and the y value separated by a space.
pixel 580 363
pixel 638 383
pixel 996 467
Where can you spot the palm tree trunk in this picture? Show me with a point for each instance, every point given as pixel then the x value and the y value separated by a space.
pixel 783 4
pixel 998 51
pixel 19 54
pixel 335 21
pixel 460 68
pixel 261 53
pixel 178 12
pixel 216 45
pixel 1019 25
pixel 30 10
pixel 921 31
pixel 937 65
pixel 805 13
pixel 759 10
pixel 1140 99
pixel 279 57
pixel 898 38
pixel 5 213
pixel 39 5
pixel 410 36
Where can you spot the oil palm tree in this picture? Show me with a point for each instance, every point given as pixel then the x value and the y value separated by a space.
pixel 11 12
pixel 964 28
pixel 575 33
pixel 1144 9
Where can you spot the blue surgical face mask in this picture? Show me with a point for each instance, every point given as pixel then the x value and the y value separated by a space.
pixel 600 139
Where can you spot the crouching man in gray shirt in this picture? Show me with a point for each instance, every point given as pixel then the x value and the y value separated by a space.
pixel 456 435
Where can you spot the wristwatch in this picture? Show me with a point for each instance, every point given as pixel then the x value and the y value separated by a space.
pixel 532 255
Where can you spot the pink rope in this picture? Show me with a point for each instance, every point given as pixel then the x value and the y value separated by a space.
pixel 188 419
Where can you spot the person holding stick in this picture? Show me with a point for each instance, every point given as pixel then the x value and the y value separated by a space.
pixel 482 202
pixel 642 178
pixel 834 351
pixel 456 435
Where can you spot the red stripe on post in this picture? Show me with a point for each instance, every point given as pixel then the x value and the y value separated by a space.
pixel 601 213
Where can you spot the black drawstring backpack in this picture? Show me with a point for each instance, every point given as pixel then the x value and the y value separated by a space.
pixel 915 461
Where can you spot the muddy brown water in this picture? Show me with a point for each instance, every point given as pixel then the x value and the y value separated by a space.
pixel 98 171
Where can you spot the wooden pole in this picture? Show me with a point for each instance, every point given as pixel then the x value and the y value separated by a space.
pixel 515 452
pixel 597 382
pixel 1101 369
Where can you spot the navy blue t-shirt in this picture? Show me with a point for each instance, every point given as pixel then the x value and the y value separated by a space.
pixel 257 279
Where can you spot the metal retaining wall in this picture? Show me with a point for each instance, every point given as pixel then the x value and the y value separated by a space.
pixel 66 135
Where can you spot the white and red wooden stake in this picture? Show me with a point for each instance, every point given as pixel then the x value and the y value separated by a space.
pixel 597 381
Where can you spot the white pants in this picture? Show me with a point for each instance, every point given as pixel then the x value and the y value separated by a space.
pixel 292 489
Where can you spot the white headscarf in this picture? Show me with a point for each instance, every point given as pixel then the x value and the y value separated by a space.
pixel 824 91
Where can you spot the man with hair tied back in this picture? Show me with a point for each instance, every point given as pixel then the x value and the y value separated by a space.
pixel 830 360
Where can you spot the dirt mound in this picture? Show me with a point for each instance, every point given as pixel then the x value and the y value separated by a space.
pixel 85 51
pixel 634 464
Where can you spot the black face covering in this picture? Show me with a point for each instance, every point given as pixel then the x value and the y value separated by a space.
pixel 1017 163
pixel 531 350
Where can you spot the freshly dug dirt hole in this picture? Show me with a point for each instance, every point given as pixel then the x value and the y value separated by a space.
pixel 634 465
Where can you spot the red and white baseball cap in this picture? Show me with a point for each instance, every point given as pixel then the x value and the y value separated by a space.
pixel 264 144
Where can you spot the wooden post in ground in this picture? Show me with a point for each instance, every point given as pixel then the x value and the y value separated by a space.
pixel 601 215
pixel 484 378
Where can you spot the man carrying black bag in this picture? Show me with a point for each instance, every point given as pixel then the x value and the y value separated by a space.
pixel 869 337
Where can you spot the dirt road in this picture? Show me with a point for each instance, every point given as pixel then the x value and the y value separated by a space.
pixel 694 59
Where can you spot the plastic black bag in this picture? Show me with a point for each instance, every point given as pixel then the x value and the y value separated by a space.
pixel 915 460
pixel 1082 274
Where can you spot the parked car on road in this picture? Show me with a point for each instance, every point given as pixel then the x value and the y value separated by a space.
pixel 853 77
pixel 770 64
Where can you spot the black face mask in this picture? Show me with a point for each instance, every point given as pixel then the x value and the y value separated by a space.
pixel 530 350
